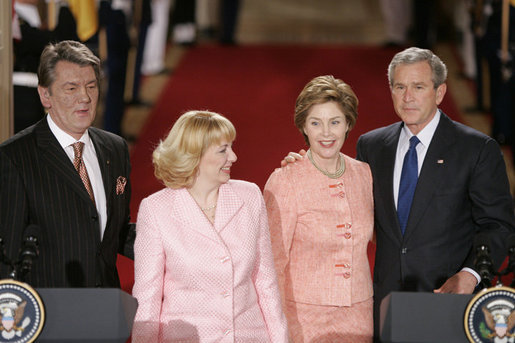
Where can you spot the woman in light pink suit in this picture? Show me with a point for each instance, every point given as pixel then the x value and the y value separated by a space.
pixel 204 269
pixel 321 215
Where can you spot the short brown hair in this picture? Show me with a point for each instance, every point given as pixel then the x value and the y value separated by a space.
pixel 323 89
pixel 70 51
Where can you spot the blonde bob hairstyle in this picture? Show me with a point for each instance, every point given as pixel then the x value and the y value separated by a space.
pixel 176 159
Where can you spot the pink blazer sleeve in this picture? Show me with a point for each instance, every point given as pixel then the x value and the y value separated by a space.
pixel 282 216
pixel 265 281
pixel 149 264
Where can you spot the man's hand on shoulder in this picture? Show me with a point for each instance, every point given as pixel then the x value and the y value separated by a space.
pixel 462 282
pixel 293 157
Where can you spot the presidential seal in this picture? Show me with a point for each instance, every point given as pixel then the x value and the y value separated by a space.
pixel 22 314
pixel 490 316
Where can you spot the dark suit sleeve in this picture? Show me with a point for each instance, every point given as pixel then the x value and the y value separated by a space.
pixel 360 154
pixel 492 204
pixel 128 230
pixel 127 237
pixel 14 215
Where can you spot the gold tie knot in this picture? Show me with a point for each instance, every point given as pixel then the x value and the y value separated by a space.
pixel 77 149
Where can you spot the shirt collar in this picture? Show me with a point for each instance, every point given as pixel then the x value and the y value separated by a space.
pixel 63 138
pixel 425 135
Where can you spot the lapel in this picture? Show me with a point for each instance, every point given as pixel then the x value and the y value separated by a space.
pixel 189 213
pixel 229 203
pixel 431 173
pixel 104 156
pixel 384 179
pixel 55 159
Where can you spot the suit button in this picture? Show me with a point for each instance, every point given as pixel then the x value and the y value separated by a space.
pixel 227 332
pixel 346 275
pixel 404 250
pixel 94 218
pixel 347 235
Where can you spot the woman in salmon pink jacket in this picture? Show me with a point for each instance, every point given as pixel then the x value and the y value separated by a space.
pixel 321 212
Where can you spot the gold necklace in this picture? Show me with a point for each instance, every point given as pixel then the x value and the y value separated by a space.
pixel 204 209
pixel 334 175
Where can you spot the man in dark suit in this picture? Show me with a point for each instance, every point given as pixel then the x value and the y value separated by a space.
pixel 83 219
pixel 462 188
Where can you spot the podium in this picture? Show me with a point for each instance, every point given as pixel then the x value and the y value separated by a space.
pixel 413 317
pixel 87 315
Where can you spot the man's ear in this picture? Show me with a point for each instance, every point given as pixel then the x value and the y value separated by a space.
pixel 44 96
pixel 440 93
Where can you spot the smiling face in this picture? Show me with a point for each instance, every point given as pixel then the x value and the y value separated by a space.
pixel 326 129
pixel 414 97
pixel 215 164
pixel 72 98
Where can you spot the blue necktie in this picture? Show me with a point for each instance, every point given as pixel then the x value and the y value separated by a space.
pixel 408 183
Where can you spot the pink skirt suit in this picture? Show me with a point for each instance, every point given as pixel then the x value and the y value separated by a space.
pixel 320 229
pixel 197 282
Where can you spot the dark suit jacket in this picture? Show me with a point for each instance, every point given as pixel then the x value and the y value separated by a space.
pixel 462 189
pixel 39 185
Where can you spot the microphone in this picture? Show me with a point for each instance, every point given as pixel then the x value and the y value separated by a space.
pixel 3 256
pixel 511 257
pixel 29 250
pixel 483 263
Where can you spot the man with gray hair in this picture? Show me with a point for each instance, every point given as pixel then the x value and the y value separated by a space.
pixel 68 179
pixel 438 185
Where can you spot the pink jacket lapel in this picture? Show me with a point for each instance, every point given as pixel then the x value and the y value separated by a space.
pixel 229 203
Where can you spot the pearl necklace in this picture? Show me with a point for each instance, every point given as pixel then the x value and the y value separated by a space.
pixel 334 175
pixel 208 208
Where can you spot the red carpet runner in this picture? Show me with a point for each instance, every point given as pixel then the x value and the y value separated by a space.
pixel 256 88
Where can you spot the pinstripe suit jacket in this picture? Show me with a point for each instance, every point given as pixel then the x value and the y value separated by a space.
pixel 39 185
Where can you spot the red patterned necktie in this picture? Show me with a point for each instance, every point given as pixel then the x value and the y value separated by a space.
pixel 78 162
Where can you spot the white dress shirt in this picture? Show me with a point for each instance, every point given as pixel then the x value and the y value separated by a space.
pixel 89 156
pixel 425 136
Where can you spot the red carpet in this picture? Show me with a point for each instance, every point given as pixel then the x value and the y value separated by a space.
pixel 256 88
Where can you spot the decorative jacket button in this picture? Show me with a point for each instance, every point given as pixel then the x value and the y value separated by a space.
pixel 347 235
pixel 346 275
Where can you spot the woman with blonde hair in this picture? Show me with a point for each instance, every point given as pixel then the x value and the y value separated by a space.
pixel 204 269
